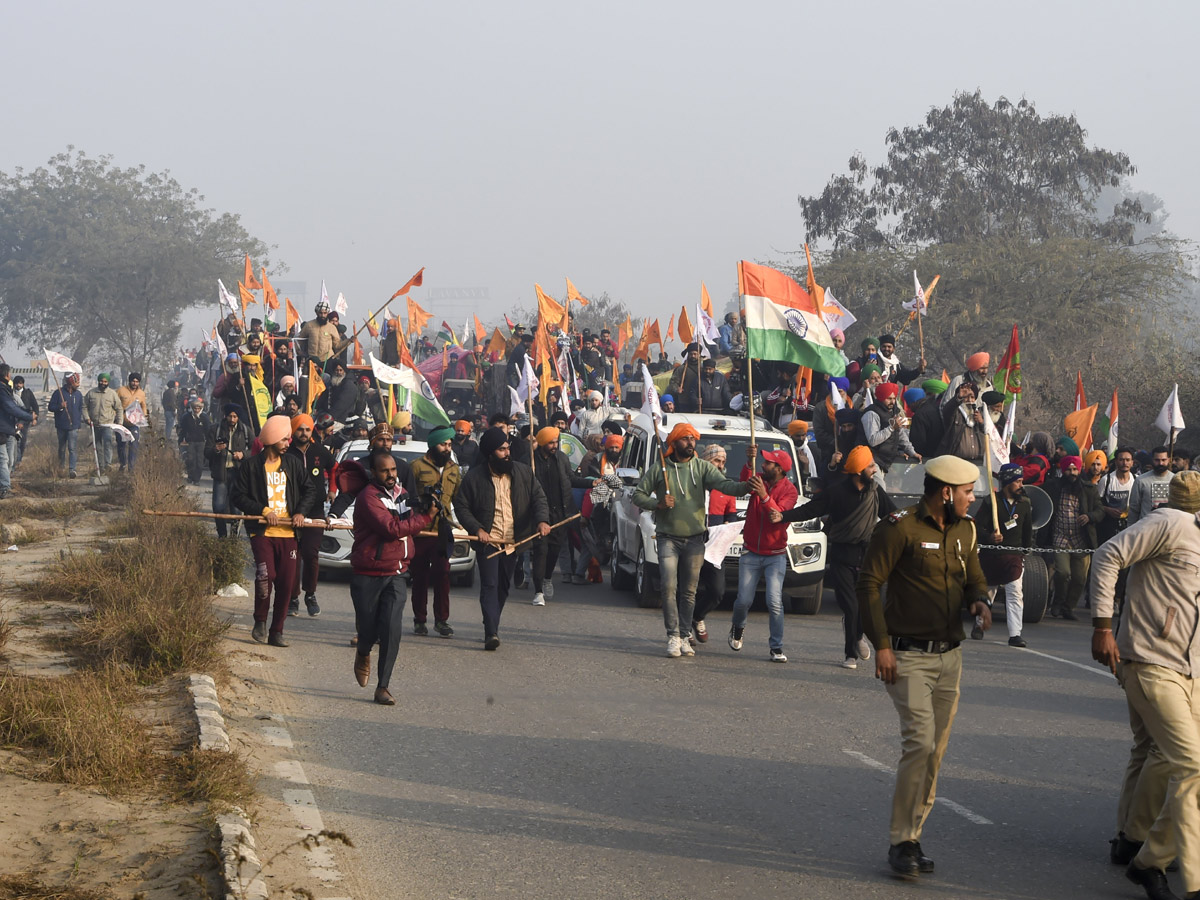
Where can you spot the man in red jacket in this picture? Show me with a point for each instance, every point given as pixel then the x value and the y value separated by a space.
pixel 384 526
pixel 764 551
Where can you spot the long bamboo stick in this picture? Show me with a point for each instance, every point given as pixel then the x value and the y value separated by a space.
pixel 510 549
pixel 316 523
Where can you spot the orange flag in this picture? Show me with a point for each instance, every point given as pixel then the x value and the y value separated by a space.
pixel 247 297
pixel 417 317
pixel 1080 396
pixel 415 281
pixel 573 294
pixel 248 279
pixel 705 300
pixel 497 344
pixel 550 311
pixel 804 380
pixel 1078 426
pixel 945 376
pixel 270 298
pixel 372 326
pixel 316 387
pixel 480 331
pixel 687 334
pixel 402 347
pixel 650 335
pixel 358 356
pixel 624 333
pixel 671 328
pixel 293 317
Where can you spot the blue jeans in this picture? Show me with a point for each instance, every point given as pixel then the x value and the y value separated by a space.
pixel 168 423
pixel 773 568
pixel 220 503
pixel 8 451
pixel 679 560
pixel 68 439
pixel 127 450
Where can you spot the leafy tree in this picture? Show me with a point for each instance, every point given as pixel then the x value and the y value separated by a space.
pixel 99 259
pixel 1025 224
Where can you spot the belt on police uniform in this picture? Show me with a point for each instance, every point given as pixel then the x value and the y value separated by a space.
pixel 903 643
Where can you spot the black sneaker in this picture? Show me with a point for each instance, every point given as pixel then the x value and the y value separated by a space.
pixel 1016 641
pixel 443 628
pixel 903 859
pixel 294 607
pixel 314 608
pixel 420 628
pixel 977 633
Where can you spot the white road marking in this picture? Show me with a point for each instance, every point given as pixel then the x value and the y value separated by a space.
pixel 1095 670
pixel 967 814
pixel 277 737
pixel 291 770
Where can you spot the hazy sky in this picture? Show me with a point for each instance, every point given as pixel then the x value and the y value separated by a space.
pixel 637 148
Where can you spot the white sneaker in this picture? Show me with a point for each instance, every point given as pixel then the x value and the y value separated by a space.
pixel 548 589
pixel 778 656
pixel 539 599
pixel 864 648
pixel 673 650
pixel 849 663
pixel 685 648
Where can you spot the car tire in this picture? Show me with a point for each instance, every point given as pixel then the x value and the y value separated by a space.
pixel 618 578
pixel 1035 585
pixel 647 596
pixel 807 601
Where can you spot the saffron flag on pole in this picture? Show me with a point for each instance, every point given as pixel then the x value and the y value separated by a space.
pixel 416 281
pixel 417 318
pixel 624 333
pixel 573 294
pixel 705 300
pixel 60 363
pixel 550 311
pixel 1078 426
pixel 1008 372
pixel 671 328
pixel 270 298
pixel 497 344
pixel 372 326
pixel 480 331
pixel 247 297
pixel 248 279
pixel 425 404
pixel 358 355
pixel 1080 396
pixel 316 387
pixel 782 322
pixel 650 335
pixel 687 334
pixel 293 317
pixel 1170 418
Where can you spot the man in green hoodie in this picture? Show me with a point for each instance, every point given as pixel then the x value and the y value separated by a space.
pixel 677 499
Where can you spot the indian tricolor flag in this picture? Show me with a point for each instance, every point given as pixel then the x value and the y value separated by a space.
pixel 783 323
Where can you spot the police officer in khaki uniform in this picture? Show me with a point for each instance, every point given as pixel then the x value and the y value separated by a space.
pixel 928 556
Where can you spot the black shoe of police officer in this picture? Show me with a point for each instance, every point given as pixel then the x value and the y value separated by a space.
pixel 924 863
pixel 1153 880
pixel 904 858
pixel 1123 850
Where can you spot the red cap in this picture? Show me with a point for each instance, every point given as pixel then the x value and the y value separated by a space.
pixel 781 458
pixel 887 389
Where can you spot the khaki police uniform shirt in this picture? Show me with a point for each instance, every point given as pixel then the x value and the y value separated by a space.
pixel 931 575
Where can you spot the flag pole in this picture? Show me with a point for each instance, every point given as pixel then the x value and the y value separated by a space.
pixel 346 342
pixel 987 459
pixel 753 448
pixel 920 328
pixel 699 389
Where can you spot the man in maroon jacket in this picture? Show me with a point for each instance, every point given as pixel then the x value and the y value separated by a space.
pixel 764 550
pixel 384 526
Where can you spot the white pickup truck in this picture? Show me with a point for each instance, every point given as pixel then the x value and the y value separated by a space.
pixel 634 561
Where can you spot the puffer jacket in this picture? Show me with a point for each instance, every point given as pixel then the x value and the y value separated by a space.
pixel 67 407
pixel 383 530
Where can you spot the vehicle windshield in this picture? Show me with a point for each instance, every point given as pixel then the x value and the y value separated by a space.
pixel 400 453
pixel 736 451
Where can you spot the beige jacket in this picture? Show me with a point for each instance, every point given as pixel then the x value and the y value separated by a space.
pixel 319 339
pixel 103 407
pixel 1159 624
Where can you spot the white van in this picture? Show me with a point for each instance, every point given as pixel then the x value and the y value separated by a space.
pixel 634 562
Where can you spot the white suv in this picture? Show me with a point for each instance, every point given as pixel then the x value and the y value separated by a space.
pixel 634 561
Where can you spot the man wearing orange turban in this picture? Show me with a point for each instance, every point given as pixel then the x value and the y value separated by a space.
pixel 675 494
pixel 977 372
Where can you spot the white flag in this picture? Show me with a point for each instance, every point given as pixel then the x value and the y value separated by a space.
pixel 836 315
pixel 1171 418
pixel 706 331
pixel 134 414
pixel 124 435
pixel 225 299
pixel 918 300
pixel 324 294
pixel 515 407
pixel 529 381
pixel 651 405
pixel 340 306
pixel 997 443
pixel 60 363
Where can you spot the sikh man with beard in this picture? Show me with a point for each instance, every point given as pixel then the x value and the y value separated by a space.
pixel 384 525
pixel 501 504
pixel 342 400
pixel 676 498
pixel 227 444
pixel 929 558
pixel 438 474
pixel 465 449
pixel 1077 512
pixel 553 472
pixel 277 487
pixel 1001 569
pixel 886 428
pixel 319 463
pixel 1150 490
pixel 319 336
pixel 851 507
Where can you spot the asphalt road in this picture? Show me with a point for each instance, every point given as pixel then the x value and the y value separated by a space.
pixel 579 761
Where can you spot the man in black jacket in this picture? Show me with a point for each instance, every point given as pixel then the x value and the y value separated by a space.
pixel 1077 512
pixel 227 444
pixel 1014 528
pixel 193 429
pixel 319 462
pixel 278 488
pixel 853 506
pixel 342 399
pixel 553 471
pixel 500 503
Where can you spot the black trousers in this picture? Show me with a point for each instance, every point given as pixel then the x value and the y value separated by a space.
pixel 545 558
pixel 710 591
pixel 495 578
pixel 842 575
pixel 378 616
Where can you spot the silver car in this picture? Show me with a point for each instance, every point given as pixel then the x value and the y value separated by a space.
pixel 336 545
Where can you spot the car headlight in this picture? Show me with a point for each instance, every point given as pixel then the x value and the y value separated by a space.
pixel 810 525
pixel 459 550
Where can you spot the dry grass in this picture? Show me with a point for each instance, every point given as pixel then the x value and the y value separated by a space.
pixel 6 631
pixel 22 508
pixel 220 779
pixel 77 727
pixel 34 535
pixel 26 886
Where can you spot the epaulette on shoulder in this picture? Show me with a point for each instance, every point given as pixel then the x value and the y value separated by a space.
pixel 896 516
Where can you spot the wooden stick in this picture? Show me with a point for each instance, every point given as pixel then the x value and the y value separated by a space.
pixel 510 549
pixel 329 525
pixel 987 468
